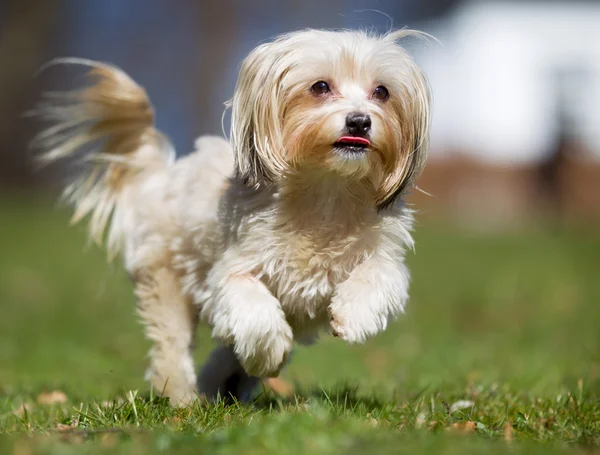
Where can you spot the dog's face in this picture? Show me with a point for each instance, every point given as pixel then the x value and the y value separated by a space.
pixel 342 102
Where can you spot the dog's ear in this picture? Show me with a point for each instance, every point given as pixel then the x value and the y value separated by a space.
pixel 256 131
pixel 414 114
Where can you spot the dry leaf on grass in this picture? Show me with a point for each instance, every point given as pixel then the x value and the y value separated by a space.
pixel 20 410
pixel 54 397
pixel 279 386
pixel 61 427
pixel 462 427
pixel 508 432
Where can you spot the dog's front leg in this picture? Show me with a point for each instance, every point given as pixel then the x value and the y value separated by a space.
pixel 375 292
pixel 244 313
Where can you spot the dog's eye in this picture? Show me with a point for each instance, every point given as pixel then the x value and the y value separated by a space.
pixel 381 93
pixel 320 88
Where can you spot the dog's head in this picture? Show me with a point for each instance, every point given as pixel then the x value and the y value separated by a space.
pixel 346 102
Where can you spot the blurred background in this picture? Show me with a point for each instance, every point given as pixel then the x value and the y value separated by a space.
pixel 516 84
pixel 505 275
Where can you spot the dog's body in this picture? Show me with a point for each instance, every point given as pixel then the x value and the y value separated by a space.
pixel 294 230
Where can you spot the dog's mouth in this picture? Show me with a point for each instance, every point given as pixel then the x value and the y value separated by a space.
pixel 352 143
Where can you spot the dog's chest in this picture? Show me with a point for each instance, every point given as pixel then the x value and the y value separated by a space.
pixel 303 269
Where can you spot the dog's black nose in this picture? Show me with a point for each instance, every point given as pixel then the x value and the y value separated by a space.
pixel 358 124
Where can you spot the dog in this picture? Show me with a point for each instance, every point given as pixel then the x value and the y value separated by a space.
pixel 294 226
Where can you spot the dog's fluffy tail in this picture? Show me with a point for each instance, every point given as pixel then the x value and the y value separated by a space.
pixel 108 125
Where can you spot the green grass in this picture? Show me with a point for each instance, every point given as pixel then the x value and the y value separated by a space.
pixel 508 322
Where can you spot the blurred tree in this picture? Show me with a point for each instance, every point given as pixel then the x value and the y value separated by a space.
pixel 216 36
pixel 27 37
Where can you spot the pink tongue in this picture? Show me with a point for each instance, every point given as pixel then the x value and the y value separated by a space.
pixel 354 140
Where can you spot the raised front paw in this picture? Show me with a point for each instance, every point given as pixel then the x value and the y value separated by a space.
pixel 348 327
pixel 264 354
pixel 354 318
pixel 249 318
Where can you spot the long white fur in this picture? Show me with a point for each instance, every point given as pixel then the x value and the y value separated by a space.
pixel 268 243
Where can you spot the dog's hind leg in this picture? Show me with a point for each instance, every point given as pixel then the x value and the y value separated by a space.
pixel 170 321
pixel 223 376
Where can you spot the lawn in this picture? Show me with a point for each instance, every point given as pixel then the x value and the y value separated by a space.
pixel 499 352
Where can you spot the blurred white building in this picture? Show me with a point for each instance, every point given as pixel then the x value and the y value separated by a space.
pixel 510 76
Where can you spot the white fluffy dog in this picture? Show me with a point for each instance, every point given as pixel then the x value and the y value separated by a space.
pixel 300 227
